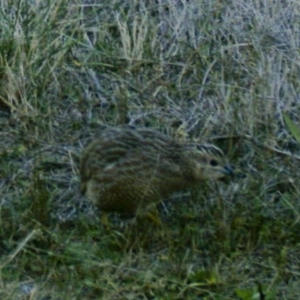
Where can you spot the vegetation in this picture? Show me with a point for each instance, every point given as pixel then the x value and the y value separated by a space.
pixel 220 71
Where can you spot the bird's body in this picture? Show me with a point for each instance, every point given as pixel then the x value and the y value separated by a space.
pixel 127 170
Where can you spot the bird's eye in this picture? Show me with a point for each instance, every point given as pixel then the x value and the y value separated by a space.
pixel 213 163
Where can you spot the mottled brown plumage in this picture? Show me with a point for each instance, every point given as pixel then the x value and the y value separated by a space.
pixel 126 169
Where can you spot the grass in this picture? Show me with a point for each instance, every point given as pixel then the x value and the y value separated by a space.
pixel 222 71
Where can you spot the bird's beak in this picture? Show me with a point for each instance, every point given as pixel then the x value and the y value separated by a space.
pixel 228 170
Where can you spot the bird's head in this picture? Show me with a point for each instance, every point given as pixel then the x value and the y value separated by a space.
pixel 207 162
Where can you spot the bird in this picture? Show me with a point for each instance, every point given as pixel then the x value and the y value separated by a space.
pixel 128 169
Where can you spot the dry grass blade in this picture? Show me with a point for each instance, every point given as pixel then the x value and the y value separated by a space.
pixel 293 128
pixel 21 246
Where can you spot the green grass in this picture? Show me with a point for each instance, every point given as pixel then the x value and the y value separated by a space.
pixel 221 71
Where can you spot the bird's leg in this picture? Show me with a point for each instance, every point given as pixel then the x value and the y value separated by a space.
pixel 104 220
pixel 152 215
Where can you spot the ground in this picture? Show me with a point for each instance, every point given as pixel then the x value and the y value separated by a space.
pixel 225 72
